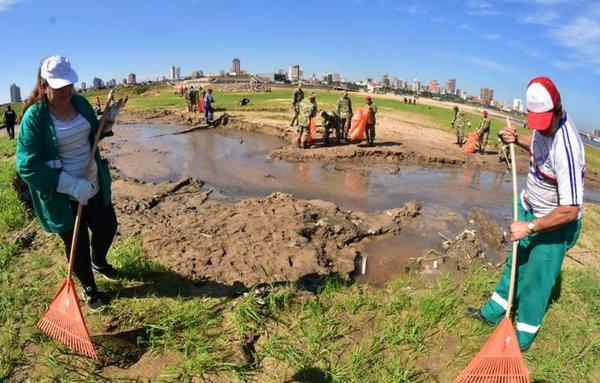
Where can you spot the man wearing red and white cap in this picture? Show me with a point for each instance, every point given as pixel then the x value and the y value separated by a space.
pixel 549 209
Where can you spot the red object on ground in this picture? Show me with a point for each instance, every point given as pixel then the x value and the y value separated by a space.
pixel 64 322
pixel 499 360
pixel 359 124
pixel 312 130
pixel 471 145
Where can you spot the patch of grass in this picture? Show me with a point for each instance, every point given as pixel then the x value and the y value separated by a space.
pixel 592 157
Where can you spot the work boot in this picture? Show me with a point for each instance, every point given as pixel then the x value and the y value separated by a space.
pixel 474 313
pixel 93 298
pixel 107 271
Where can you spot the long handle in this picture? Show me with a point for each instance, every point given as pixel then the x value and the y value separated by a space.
pixel 513 269
pixel 87 174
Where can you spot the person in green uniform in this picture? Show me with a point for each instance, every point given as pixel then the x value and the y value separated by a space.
pixel 549 215
pixel 331 124
pixel 296 100
pixel 307 110
pixel 344 112
pixel 483 132
pixel 371 121
pixel 461 125
pixel 453 121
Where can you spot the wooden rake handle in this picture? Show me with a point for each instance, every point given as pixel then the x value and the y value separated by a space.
pixel 91 160
pixel 513 269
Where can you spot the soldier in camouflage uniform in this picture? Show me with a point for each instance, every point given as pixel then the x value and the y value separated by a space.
pixel 371 121
pixel 461 124
pixel 483 132
pixel 331 123
pixel 190 97
pixel 306 111
pixel 453 121
pixel 344 112
pixel 296 100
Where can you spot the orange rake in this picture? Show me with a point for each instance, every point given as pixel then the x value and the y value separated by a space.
pixel 500 359
pixel 63 319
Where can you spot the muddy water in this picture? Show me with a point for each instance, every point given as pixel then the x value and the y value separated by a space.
pixel 235 164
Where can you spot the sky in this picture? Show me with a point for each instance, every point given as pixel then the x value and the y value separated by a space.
pixel 499 44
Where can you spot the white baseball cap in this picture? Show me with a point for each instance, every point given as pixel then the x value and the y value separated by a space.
pixel 57 72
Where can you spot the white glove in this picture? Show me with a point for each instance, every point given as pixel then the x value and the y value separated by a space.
pixel 78 188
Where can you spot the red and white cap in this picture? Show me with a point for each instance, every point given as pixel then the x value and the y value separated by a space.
pixel 542 97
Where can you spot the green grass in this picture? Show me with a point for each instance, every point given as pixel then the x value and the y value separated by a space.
pixel 592 157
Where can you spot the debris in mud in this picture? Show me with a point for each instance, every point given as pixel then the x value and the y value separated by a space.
pixel 258 240
pixel 482 239
pixel 410 210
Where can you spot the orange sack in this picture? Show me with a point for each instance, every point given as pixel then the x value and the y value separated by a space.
pixel 313 130
pixel 471 145
pixel 359 124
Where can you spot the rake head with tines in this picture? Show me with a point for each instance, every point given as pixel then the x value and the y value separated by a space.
pixel 499 361
pixel 63 321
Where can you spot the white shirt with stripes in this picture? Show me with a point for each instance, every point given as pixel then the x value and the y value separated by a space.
pixel 556 170
pixel 74 148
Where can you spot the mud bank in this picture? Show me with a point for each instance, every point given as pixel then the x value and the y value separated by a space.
pixel 266 240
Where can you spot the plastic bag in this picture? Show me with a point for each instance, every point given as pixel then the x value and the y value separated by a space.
pixel 359 124
pixel 471 145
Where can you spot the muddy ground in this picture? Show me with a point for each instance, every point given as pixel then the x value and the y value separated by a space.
pixel 269 240
pixel 402 139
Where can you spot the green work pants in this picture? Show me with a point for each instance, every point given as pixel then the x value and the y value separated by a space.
pixel 539 260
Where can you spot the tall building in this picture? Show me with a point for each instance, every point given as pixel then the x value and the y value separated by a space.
pixel 131 78
pixel 385 81
pixel 236 67
pixel 337 78
pixel 97 83
pixel 111 83
pixel 434 86
pixel 517 105
pixel 451 86
pixel 175 73
pixel 83 85
pixel 486 96
pixel 294 73
pixel 416 86
pixel 15 93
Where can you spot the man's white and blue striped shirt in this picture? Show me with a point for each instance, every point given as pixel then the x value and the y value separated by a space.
pixel 556 169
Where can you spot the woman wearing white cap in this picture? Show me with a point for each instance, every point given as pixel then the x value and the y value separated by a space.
pixel 54 144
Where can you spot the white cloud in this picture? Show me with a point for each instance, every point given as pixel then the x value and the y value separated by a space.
pixel 411 8
pixel 543 17
pixel 492 36
pixel 6 4
pixel 491 64
pixel 481 61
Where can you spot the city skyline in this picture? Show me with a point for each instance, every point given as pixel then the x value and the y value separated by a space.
pixel 499 45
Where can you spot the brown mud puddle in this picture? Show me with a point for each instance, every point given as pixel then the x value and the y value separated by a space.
pixel 235 163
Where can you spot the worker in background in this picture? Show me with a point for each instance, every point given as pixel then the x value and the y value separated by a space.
pixel 483 132
pixel 371 121
pixel 208 110
pixel 453 121
pixel 344 112
pixel 331 124
pixel 10 119
pixel 296 100
pixel 306 111
pixel 461 125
